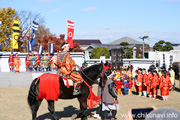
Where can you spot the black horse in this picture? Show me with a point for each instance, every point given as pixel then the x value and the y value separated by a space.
pixel 90 75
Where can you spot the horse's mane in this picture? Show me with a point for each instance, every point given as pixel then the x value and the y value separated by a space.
pixel 91 67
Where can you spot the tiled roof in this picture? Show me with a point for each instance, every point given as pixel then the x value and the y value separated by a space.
pixel 126 39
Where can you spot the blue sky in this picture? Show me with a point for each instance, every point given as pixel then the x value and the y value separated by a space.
pixel 108 20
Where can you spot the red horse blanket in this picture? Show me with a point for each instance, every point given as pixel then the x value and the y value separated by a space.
pixel 49 87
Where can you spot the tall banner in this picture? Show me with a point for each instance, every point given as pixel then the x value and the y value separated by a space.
pixel 51 48
pixel 40 49
pixel 34 30
pixel 15 34
pixel 70 33
pixel 30 48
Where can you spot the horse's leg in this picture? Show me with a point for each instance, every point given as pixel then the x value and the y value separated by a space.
pixel 34 109
pixel 51 109
pixel 83 107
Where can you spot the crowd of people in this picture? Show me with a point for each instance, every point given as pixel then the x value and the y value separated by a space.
pixel 34 62
pixel 121 82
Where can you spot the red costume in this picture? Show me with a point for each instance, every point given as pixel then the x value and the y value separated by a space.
pixel 11 62
pixel 38 61
pixel 155 83
pixel 28 62
pixel 149 84
pixel 17 63
pixel 139 82
pixel 165 85
pixel 145 81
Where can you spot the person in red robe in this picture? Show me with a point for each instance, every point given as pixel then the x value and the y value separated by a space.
pixel 135 81
pixel 28 62
pixel 144 83
pixel 130 76
pixel 165 85
pixel 155 83
pixel 17 63
pixel 11 62
pixel 38 59
pixel 139 81
pixel 149 84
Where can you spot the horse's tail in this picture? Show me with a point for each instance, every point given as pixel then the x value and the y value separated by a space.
pixel 32 94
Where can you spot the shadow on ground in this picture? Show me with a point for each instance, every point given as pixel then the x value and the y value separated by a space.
pixel 67 112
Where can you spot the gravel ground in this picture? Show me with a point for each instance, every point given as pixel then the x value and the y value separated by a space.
pixel 14 106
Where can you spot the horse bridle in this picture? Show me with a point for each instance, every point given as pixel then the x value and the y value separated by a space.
pixel 86 75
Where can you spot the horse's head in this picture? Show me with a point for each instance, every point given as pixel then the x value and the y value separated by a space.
pixel 92 73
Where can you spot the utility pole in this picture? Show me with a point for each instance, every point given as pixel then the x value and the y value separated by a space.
pixel 144 37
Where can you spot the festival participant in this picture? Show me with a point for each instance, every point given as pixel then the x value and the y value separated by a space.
pixel 130 76
pixel 139 81
pixel 144 83
pixel 165 85
pixel 66 64
pixel 17 63
pixel 172 78
pixel 125 82
pixel 54 61
pixel 28 62
pixel 44 61
pixel 11 62
pixel 135 81
pixel 149 84
pixel 155 83
pixel 38 59
pixel 118 82
pixel 109 98
pixel 33 62
pixel 49 62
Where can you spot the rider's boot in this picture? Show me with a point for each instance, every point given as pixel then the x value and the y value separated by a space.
pixel 77 91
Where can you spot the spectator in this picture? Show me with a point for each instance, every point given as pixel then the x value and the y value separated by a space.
pixel 130 66
pixel 152 67
pixel 172 78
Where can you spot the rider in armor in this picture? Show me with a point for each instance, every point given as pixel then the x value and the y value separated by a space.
pixel 44 61
pixel 33 62
pixel 67 65
pixel 38 61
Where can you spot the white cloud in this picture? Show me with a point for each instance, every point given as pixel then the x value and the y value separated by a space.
pixel 46 0
pixel 90 9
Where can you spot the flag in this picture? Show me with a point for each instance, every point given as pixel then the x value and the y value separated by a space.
pixel 30 48
pixel 51 48
pixel 0 23
pixel 40 49
pixel 34 30
pixel 0 46
pixel 15 34
pixel 70 33
pixel 11 50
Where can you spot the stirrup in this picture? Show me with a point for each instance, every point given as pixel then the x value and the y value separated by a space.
pixel 77 92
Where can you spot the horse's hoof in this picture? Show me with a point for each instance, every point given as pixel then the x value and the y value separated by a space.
pixel 74 116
